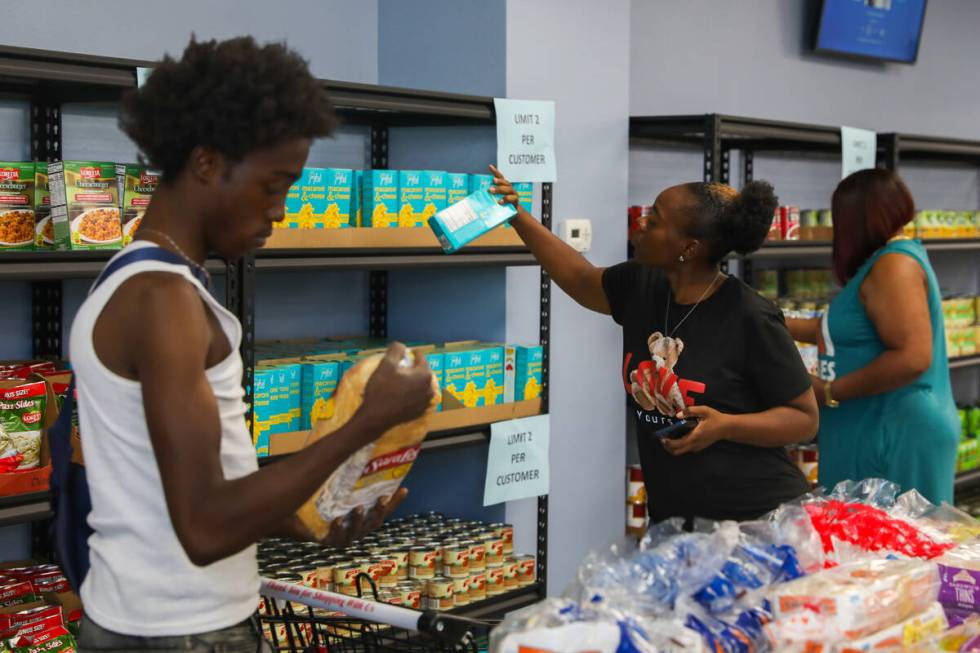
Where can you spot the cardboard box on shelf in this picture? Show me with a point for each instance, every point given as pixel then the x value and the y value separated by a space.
pixel 17 197
pixel 136 187
pixel 379 199
pixel 85 205
pixel 458 187
pixel 523 372
pixel 43 227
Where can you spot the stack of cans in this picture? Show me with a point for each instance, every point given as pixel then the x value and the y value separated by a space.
pixel 419 562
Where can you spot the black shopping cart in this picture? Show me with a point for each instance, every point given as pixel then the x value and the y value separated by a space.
pixel 300 619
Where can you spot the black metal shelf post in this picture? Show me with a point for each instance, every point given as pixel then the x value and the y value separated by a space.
pixel 378 279
pixel 544 324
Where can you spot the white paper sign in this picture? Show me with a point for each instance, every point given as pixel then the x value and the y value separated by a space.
pixel 517 464
pixel 859 150
pixel 141 75
pixel 526 139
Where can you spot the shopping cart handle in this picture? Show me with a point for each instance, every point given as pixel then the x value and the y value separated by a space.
pixel 449 627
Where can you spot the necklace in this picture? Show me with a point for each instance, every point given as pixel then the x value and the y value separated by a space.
pixel 898 238
pixel 667 330
pixel 192 262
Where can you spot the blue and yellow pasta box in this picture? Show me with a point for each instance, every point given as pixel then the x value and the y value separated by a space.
pixel 356 214
pixel 436 189
pixel 306 201
pixel 457 187
pixel 319 383
pixel 523 372
pixel 465 221
pixel 261 410
pixel 380 199
pixel 339 198
pixel 474 375
pixel 480 182
pixel 411 198
pixel 525 191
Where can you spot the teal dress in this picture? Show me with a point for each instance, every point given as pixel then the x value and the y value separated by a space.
pixel 908 436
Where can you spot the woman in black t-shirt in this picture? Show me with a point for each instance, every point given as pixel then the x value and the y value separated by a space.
pixel 698 345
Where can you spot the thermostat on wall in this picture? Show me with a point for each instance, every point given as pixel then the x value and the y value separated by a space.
pixel 577 233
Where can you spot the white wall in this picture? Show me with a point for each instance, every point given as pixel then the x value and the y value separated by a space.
pixel 577 54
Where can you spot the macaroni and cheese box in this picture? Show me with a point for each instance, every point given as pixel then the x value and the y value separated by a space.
pixel 379 199
pixel 43 227
pixel 261 410
pixel 85 205
pixel 356 215
pixel 293 408
pixel 411 198
pixel 320 379
pixel 480 182
pixel 457 187
pixel 435 186
pixel 17 226
pixel 474 375
pixel 136 187
pixel 469 219
pixel 525 193
pixel 523 372
pixel 339 198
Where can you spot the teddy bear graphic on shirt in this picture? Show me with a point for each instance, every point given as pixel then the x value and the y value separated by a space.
pixel 655 386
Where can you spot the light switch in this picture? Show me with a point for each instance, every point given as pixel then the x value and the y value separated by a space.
pixel 577 232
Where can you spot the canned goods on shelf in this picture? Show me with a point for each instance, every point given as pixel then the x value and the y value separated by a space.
pixel 511 571
pixel 495 581
pixel 527 570
pixel 478 587
pixel 461 591
pixel 411 594
pixel 439 592
pixel 401 558
pixel 455 559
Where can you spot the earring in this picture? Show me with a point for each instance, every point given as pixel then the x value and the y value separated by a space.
pixel 681 259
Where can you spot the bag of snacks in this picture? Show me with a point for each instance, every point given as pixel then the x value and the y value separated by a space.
pixel 22 405
pixel 373 472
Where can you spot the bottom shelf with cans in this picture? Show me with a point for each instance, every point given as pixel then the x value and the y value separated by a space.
pixel 426 562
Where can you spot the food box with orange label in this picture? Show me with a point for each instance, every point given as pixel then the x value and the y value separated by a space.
pixel 43 227
pixel 16 206
pixel 474 375
pixel 85 205
pixel 136 187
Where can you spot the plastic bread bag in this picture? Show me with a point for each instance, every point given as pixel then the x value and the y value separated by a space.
pixel 377 469
pixel 852 601
pixel 791 526
pixel 745 634
pixel 649 581
pixel 562 626
pixel 959 577
pixel 917 629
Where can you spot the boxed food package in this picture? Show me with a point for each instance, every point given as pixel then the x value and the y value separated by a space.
pixel 457 187
pixel 43 227
pixel 339 198
pixel 411 198
pixel 853 601
pixel 474 374
pixel 373 472
pixel 959 577
pixel 480 182
pixel 525 192
pixel 261 409
pixel 136 188
pixel 436 361
pixel 22 420
pixel 356 215
pixel 17 226
pixel 320 379
pixel 379 200
pixel 469 219
pixel 84 205
pixel 915 630
pixel 523 372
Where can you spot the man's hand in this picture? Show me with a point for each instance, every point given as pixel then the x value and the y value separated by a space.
pixel 397 393
pixel 712 426
pixel 353 526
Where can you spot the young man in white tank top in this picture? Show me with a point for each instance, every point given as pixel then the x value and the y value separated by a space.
pixel 178 501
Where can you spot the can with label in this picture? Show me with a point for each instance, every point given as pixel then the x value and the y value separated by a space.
pixel 411 594
pixel 345 574
pixel 400 555
pixel 478 587
pixel 635 489
pixel 527 567
pixel 373 568
pixel 308 574
pixel 439 592
pixel 422 562
pixel 495 550
pixel 455 559
pixel 324 575
pixel 478 554
pixel 461 591
pixel 506 533
pixel 495 581
pixel 389 567
pixel 511 571
pixel 636 518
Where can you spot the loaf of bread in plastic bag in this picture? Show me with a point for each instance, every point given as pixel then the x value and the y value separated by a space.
pixel 377 469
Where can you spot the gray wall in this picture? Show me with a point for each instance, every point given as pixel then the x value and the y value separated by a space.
pixel 578 55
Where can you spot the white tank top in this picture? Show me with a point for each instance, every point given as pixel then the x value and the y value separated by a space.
pixel 141 581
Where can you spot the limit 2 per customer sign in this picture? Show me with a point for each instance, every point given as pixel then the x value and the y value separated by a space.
pixel 526 139
pixel 517 463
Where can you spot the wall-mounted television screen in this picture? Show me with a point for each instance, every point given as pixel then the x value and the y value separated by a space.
pixel 885 30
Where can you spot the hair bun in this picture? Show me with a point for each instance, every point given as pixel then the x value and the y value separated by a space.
pixel 746 220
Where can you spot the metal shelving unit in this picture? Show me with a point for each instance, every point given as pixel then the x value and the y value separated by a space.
pixel 49 79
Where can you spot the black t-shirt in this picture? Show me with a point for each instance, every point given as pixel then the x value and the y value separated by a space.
pixel 734 354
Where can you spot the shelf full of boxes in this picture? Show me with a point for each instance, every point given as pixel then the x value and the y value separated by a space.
pixel 48 80
pixel 809 232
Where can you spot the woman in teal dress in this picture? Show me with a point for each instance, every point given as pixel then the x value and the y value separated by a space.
pixel 887 408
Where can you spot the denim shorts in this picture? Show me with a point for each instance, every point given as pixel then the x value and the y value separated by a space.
pixel 242 638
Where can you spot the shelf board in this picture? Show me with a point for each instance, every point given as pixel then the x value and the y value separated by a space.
pixel 913 147
pixel 23 508
pixel 788 249
pixel 966 480
pixel 736 132
pixel 962 362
